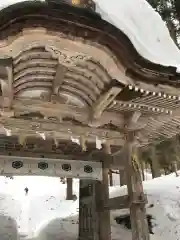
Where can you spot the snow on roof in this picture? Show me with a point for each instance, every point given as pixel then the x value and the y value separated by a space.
pixel 144 27
pixel 141 24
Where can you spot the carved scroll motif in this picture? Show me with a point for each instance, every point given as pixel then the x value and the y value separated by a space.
pixel 66 58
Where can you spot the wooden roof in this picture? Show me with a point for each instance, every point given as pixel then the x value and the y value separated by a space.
pixel 66 73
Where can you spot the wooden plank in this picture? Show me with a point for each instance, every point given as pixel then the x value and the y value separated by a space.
pixel 123 202
pixel 118 202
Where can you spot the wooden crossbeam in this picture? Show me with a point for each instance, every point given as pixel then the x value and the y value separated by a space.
pixel 123 202
pixel 60 110
pixel 118 202
pixel 58 130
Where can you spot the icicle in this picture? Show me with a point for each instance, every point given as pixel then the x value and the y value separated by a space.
pixel 99 143
pixel 42 135
pixel 83 144
pixel 75 140
pixel 8 132
pixel 108 148
pixel 56 142
pixel 22 139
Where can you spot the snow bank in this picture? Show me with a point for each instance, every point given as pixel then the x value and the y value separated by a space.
pixel 44 214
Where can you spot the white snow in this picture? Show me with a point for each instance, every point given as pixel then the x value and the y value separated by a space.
pixel 141 24
pixel 44 214
pixel 144 27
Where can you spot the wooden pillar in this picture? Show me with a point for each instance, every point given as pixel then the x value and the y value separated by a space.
pixel 137 201
pixel 122 176
pixel 102 198
pixel 94 213
pixel 69 189
pixel 110 178
pixel 88 216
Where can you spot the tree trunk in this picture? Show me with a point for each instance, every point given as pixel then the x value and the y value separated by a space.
pixel 172 30
pixel 175 169
pixel 155 168
pixel 142 170
pixel 69 189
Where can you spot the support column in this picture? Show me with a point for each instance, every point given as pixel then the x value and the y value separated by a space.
pixel 69 189
pixel 122 176
pixel 137 199
pixel 102 197
pixel 88 217
pixel 94 213
pixel 110 178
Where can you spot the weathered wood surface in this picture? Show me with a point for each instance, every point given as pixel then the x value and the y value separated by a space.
pixel 88 217
pixel 57 130
pixel 123 202
pixel 102 199
pixel 135 191
pixel 69 189
pixel 119 203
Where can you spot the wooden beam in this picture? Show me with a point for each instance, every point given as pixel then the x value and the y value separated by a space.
pixel 55 108
pixel 57 130
pixel 123 202
pixel 118 202
pixel 52 155
pixel 60 110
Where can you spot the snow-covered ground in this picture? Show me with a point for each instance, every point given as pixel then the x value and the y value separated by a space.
pixel 44 214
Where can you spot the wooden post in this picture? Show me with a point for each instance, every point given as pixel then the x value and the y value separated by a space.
pixel 69 189
pixel 122 176
pixel 139 224
pixel 110 178
pixel 88 216
pixel 102 198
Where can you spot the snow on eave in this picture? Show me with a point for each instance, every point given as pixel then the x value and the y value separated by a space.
pixel 144 27
pixel 7 3
pixel 140 23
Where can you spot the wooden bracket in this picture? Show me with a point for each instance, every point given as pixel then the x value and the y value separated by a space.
pixel 104 101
